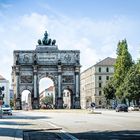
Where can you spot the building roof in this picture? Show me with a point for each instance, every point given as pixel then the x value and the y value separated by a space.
pixel 2 78
pixel 51 88
pixel 106 62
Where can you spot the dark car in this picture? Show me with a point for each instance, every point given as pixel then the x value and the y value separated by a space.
pixel 122 107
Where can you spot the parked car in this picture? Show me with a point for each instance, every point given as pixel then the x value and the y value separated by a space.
pixel 134 108
pixel 122 107
pixel 6 109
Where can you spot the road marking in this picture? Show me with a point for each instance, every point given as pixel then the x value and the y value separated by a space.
pixel 131 134
pixel 64 132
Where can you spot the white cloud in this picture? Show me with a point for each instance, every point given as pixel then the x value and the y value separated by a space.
pixel 95 39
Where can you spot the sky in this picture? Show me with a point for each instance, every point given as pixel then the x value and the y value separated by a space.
pixel 92 26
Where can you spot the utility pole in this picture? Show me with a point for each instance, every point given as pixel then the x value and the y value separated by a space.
pixel 1 100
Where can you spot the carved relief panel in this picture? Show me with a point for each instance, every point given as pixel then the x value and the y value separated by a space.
pixel 26 79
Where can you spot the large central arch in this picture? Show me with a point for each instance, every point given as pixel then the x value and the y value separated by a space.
pixel 62 66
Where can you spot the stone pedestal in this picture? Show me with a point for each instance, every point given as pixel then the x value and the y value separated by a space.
pixel 35 103
pixel 18 104
pixel 77 103
pixel 59 103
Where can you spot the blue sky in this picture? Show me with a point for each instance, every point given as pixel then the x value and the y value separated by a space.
pixel 92 26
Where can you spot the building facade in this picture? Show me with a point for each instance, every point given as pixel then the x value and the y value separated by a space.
pixel 5 83
pixel 92 82
pixel 50 91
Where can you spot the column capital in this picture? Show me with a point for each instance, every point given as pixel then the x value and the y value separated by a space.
pixel 77 69
pixel 59 68
pixel 35 70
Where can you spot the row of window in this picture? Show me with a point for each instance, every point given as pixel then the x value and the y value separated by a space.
pixel 100 69
pixel 100 77
pixel 100 93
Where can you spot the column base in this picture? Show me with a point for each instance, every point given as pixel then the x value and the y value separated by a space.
pixel 59 103
pixel 18 104
pixel 35 103
pixel 77 103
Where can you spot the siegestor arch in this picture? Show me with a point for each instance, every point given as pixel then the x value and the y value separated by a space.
pixel 62 66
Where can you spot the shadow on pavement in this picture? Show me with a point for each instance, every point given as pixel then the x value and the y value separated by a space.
pixel 89 135
pixel 13 123
pixel 109 135
pixel 25 117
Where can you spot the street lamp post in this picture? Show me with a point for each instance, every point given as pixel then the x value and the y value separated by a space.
pixel 1 100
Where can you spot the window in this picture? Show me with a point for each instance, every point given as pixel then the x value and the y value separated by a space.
pixel 100 102
pixel 100 77
pixel 100 85
pixel 107 69
pixel 107 77
pixel 100 93
pixel 99 69
pixel 67 94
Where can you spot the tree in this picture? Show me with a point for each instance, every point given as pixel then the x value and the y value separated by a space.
pixel 47 100
pixel 131 86
pixel 12 103
pixel 122 66
pixel 109 91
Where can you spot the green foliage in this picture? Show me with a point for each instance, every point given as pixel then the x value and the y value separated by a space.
pixel 131 86
pixel 122 66
pixel 109 90
pixel 12 103
pixel 47 100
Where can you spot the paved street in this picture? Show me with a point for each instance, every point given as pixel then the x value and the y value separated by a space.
pixel 71 124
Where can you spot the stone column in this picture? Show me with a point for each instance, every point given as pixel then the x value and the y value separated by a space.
pixel 35 104
pixel 35 85
pixel 77 88
pixel 59 85
pixel 17 85
pixel 18 97
pixel 59 97
pixel 77 84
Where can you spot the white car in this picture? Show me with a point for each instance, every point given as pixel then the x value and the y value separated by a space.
pixel 6 109
pixel 134 108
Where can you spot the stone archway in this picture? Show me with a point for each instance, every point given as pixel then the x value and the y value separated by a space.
pixel 26 102
pixel 62 66
pixel 68 98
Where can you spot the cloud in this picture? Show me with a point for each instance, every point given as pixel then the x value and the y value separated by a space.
pixel 95 39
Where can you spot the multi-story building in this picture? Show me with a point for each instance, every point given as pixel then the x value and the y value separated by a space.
pixel 93 80
pixel 5 83
pixel 47 92
pixel 11 94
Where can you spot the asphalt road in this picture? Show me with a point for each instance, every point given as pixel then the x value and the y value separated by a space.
pixel 109 125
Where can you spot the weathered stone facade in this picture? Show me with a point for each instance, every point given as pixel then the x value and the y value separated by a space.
pixel 62 66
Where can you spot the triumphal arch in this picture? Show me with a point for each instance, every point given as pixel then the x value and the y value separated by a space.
pixel 62 66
